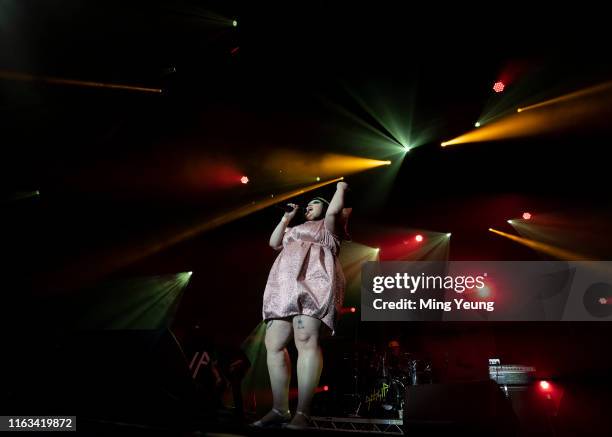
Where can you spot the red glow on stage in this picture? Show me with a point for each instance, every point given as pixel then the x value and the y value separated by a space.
pixel 322 389
pixel 544 385
pixel 499 86
pixel 346 310
pixel 244 180
pixel 526 216
pixel 203 174
pixel 404 244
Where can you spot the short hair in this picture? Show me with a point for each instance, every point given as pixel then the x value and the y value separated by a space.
pixel 321 199
pixel 325 204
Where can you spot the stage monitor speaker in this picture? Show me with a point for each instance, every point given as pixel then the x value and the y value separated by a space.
pixel 474 407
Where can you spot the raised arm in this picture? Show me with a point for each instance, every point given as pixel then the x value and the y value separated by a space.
pixel 335 208
pixel 276 239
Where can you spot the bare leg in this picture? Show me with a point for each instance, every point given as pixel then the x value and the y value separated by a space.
pixel 278 334
pixel 309 363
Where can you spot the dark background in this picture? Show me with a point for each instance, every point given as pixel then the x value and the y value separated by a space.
pixel 70 142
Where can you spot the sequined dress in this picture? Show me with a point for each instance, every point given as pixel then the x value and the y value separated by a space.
pixel 306 277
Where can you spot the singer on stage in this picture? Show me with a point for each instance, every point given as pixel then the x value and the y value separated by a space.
pixel 305 289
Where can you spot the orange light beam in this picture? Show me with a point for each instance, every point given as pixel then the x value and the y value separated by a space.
pixel 567 97
pixel 548 249
pixel 568 110
pixel 326 165
pixel 239 213
pixel 11 75
pixel 118 258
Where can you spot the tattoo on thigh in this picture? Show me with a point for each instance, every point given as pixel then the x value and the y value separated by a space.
pixel 300 325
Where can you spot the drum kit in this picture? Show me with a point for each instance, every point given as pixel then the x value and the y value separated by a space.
pixel 381 379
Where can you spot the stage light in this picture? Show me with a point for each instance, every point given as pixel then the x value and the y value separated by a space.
pixel 576 108
pixel 12 75
pixel 20 195
pixel 406 149
pixel 526 216
pixel 235 23
pixel 586 93
pixel 424 245
pixel 377 249
pixel 346 310
pixel 484 291
pixel 190 273
pixel 244 180
pixel 352 257
pixel 449 234
pixel 477 124
pixel 319 389
pixel 544 385
pixel 515 126
pixel 548 249
pixel 129 254
pixel 318 178
pixel 444 144
pixel 131 303
pixel 499 86
pixel 509 221
pixel 303 167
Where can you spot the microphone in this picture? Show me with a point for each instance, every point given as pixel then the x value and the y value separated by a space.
pixel 287 208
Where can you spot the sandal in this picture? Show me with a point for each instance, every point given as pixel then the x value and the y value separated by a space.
pixel 278 419
pixel 294 426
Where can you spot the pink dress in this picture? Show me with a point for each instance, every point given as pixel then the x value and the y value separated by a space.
pixel 306 277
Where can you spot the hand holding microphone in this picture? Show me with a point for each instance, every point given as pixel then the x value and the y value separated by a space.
pixel 288 207
pixel 290 211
